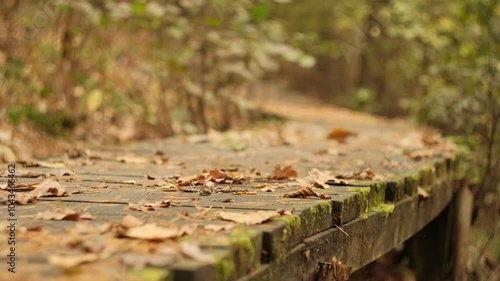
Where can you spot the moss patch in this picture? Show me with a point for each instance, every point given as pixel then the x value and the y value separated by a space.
pixel 243 237
pixel 150 274
pixel 225 268
pixel 291 222
pixel 363 191
pixel 326 207
pixel 387 209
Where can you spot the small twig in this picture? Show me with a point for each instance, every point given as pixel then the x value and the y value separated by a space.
pixel 341 229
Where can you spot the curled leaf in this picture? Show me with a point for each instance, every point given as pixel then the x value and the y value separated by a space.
pixel 283 173
pixel 251 218
pixel 306 192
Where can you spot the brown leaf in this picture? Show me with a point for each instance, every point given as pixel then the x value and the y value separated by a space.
pixel 152 231
pixel 283 173
pixel 68 261
pixel 149 206
pixel 219 176
pixel 130 221
pixel 219 227
pixel 306 192
pixel 24 198
pixel 318 178
pixel 366 174
pixel 268 189
pixel 59 214
pixel 250 218
pixel 49 188
pixel 340 134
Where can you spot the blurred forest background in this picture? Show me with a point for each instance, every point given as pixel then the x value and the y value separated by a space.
pixel 104 71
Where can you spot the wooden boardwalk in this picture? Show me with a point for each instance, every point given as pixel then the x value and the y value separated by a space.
pixel 191 208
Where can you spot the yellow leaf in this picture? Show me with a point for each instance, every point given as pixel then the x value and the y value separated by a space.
pixel 94 100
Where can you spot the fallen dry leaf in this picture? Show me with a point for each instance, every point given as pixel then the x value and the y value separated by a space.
pixel 219 227
pixel 366 174
pixel 268 189
pixel 306 192
pixel 317 178
pixel 130 221
pixel 283 173
pixel 340 134
pixel 59 214
pixel 152 231
pixel 24 198
pixel 218 176
pixel 68 261
pixel 251 218
pixel 49 188
pixel 149 206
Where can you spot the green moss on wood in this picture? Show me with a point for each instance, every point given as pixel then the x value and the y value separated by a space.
pixel 149 274
pixel 291 222
pixel 387 209
pixel 243 238
pixel 363 192
pixel 326 207
pixel 225 267
pixel 363 215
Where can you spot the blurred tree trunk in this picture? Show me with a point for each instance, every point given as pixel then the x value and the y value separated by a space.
pixel 163 107
pixel 66 63
pixel 8 41
pixel 200 100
